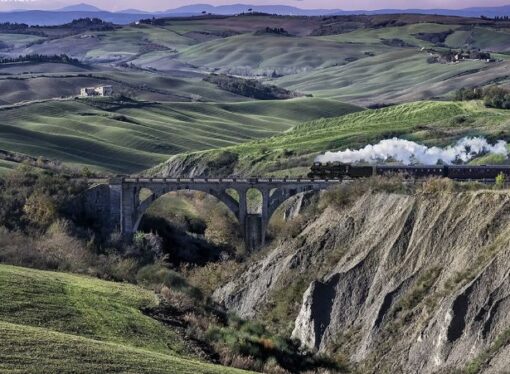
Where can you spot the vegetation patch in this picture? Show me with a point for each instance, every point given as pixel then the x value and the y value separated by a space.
pixel 480 363
pixel 493 96
pixel 434 37
pixel 37 58
pixel 250 88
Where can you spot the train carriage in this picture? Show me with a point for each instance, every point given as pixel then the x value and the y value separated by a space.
pixel 418 171
pixel 338 170
pixel 477 171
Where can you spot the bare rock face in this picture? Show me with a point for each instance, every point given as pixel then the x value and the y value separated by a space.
pixel 399 283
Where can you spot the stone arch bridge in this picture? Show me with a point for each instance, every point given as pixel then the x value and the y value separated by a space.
pixel 116 204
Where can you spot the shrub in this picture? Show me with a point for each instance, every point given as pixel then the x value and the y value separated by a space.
pixel 466 94
pixel 181 302
pixel 418 291
pixel 148 244
pixel 57 249
pixel 176 282
pixel 152 275
pixel 497 97
pixel 249 339
pixel 500 181
pixel 210 277
pixel 61 250
pixel 437 186
pixel 40 209
pixel 493 96
pixel 342 195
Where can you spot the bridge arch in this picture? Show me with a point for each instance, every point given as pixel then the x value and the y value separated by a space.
pixel 138 206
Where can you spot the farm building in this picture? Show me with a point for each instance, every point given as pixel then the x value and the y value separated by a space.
pixel 97 91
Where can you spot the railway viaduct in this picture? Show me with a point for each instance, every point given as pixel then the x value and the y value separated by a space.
pixel 117 206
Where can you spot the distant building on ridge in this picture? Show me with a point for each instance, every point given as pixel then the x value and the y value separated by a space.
pixel 97 91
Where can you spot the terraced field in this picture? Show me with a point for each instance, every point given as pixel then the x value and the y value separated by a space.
pixel 53 322
pixel 430 123
pixel 133 137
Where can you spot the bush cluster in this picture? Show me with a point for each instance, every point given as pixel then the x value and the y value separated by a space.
pixel 493 96
pixel 36 230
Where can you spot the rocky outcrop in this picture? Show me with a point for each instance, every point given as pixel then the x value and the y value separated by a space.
pixel 200 164
pixel 398 283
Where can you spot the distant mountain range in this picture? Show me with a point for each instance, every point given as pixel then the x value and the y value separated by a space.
pixel 68 13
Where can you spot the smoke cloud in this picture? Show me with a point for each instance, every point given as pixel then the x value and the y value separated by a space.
pixel 410 153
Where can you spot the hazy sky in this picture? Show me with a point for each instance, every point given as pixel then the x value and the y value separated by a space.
pixel 327 4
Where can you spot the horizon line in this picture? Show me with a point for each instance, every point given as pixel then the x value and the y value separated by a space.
pixel 242 4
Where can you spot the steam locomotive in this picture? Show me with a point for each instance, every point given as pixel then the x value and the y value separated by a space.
pixel 339 170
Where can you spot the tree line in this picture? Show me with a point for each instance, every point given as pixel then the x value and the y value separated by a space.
pixel 493 96
pixel 38 58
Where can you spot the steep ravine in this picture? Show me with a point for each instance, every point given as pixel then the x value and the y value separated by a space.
pixel 397 283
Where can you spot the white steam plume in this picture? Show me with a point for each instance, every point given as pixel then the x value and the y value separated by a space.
pixel 408 152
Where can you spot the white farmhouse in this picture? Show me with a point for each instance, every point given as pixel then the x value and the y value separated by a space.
pixel 97 91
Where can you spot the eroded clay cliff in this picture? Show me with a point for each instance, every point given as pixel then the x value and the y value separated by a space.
pixel 398 283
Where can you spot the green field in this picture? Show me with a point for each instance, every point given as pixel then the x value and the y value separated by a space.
pixel 393 77
pixel 134 137
pixel 430 123
pixel 252 54
pixel 406 33
pixel 27 82
pixel 53 322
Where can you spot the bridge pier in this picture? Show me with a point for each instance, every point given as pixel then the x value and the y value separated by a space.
pixel 254 232
pixel 116 206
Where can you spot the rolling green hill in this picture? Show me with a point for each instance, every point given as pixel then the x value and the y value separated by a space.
pixel 354 59
pixel 367 61
pixel 393 77
pixel 26 82
pixel 254 54
pixel 406 33
pixel 54 322
pixel 431 123
pixel 131 137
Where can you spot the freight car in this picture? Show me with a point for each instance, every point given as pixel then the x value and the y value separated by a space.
pixel 338 170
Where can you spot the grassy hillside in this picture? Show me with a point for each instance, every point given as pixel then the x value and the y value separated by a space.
pixel 26 82
pixel 251 54
pixel 480 37
pixel 431 123
pixel 132 137
pixel 406 33
pixel 393 77
pixel 58 322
